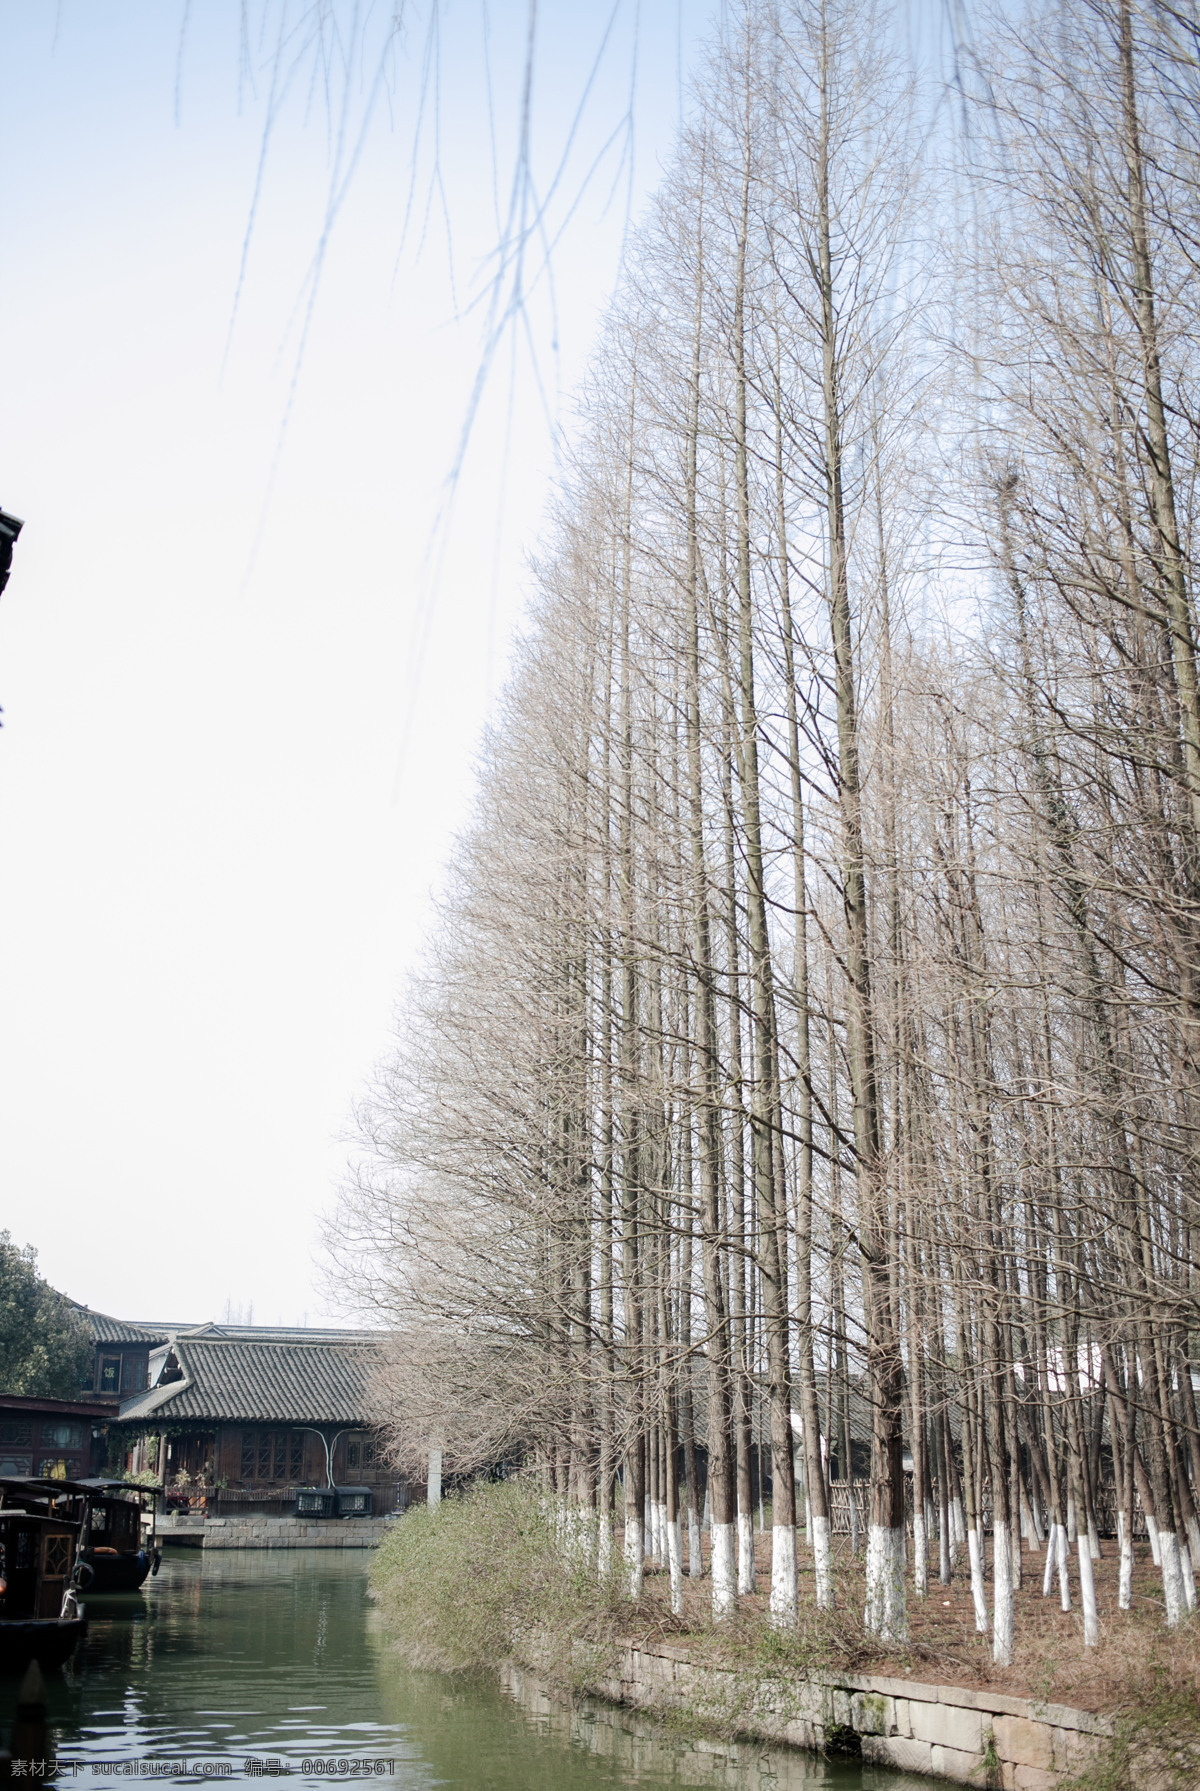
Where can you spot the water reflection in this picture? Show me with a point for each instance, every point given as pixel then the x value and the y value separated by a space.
pixel 645 1753
pixel 255 1656
pixel 259 1656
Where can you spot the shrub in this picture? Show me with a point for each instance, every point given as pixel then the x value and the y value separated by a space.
pixel 1156 1744
pixel 458 1582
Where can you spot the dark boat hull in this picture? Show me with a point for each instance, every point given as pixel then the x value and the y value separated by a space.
pixel 48 1640
pixel 116 1573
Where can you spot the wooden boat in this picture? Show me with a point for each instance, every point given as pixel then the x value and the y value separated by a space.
pixel 40 1617
pixel 118 1543
pixel 116 1549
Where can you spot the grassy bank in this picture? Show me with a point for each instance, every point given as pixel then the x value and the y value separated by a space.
pixel 461 1583
pixel 477 1578
pixel 487 1576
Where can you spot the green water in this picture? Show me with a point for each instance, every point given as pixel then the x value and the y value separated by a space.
pixel 230 1659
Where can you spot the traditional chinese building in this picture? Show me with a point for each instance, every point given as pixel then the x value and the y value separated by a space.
pixel 242 1415
pixel 121 1355
pixel 59 1438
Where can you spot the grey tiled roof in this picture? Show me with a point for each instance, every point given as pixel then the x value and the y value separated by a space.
pixel 119 1330
pixel 260 1380
pixel 273 1333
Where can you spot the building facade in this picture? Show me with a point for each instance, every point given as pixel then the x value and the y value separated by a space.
pixel 120 1355
pixel 243 1415
pixel 61 1439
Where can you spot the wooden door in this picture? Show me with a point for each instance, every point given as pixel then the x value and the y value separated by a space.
pixel 58 1558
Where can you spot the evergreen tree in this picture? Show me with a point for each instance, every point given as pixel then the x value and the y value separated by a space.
pixel 45 1345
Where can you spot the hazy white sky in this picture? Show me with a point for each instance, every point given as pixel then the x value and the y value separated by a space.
pixel 215 866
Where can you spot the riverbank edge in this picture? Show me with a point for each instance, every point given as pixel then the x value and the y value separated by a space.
pixel 980 1738
pixel 273 1532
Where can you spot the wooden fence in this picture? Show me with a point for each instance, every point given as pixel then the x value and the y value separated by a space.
pixel 843 1491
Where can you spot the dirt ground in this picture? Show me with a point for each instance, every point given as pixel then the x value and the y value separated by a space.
pixel 1050 1661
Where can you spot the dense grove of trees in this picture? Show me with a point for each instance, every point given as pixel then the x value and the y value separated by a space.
pixel 813 1025
pixel 45 1343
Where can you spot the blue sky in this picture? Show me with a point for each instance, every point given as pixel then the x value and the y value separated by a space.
pixel 228 606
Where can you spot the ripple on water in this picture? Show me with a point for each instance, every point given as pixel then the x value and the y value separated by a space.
pixel 270 1656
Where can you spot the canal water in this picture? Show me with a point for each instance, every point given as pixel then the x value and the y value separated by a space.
pixel 248 1664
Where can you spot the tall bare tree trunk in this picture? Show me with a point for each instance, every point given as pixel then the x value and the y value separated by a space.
pixel 886 1610
pixel 816 1488
pixel 721 1492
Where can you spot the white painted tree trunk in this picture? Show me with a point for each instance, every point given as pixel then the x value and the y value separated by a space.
pixel 1062 1555
pixel 920 1556
pixel 675 1565
pixel 1051 1555
pixel 589 1534
pixel 1097 1553
pixel 1003 1598
pixel 1071 1530
pixel 1187 1574
pixel 745 1530
pixel 1026 1519
pixel 886 1614
pixel 574 1529
pixel 1087 1593
pixel 695 1552
pixel 1155 1545
pixel 604 1548
pixel 945 1566
pixel 635 1555
pixel 822 1552
pixel 1172 1578
pixel 1125 1579
pixel 433 1479
pixel 724 1571
pixel 978 1594
pixel 783 1576
pixel 958 1530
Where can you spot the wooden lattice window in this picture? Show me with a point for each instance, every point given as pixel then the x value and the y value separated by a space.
pixel 360 1453
pixel 56 1562
pixel 59 1435
pixel 272 1455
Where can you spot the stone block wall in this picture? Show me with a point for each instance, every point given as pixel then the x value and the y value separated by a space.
pixel 277 1532
pixel 966 1737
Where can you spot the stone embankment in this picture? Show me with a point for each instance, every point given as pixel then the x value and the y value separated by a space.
pixel 969 1738
pixel 272 1532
